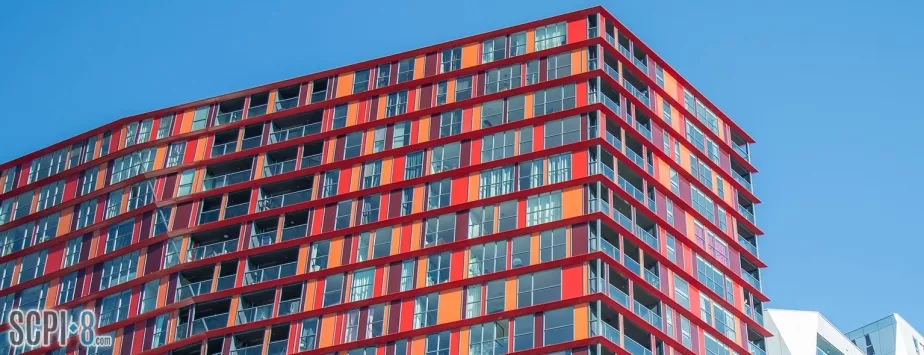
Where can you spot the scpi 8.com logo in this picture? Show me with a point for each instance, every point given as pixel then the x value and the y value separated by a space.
pixel 34 328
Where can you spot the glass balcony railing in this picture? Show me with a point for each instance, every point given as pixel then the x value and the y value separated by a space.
pixel 747 214
pixel 611 104
pixel 756 315
pixel 609 332
pixel 617 295
pixel 634 347
pixel 205 324
pixel 741 180
pixel 653 279
pixel 612 72
pixel 228 117
pixel 209 216
pixel 747 245
pixel 623 50
pixel 258 110
pixel 600 168
pixel 648 315
pixel 318 96
pixel 284 200
pixel 224 148
pixel 226 179
pixel 254 314
pixel 623 220
pixel 265 238
pixel 225 282
pixel 295 132
pixel 293 232
pixel 631 189
pixel 742 151
pixel 311 160
pixel 210 250
pixel 250 350
pixel 591 32
pixel 643 97
pixel 251 142
pixel 279 168
pixel 637 159
pixel 647 237
pixel 289 307
pixel 236 210
pixel 181 329
pixel 651 202
pixel 270 273
pixel 604 246
pixel 643 65
pixel 610 39
pixel 632 265
pixel 276 348
pixel 193 289
pixel 754 349
pixel 750 279
pixel 612 139
pixel 643 130
pixel 286 104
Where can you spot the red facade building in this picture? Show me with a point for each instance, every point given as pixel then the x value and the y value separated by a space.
pixel 551 187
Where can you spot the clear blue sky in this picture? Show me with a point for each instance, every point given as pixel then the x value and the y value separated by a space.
pixel 826 88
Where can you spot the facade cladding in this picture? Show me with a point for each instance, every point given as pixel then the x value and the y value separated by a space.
pixel 552 187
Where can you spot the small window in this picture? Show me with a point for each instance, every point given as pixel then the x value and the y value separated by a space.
pixel 441 89
pixel 559 66
pixel 361 81
pixel 438 193
pixel 425 310
pixel 463 88
pixel 517 44
pixel 340 116
pixel 362 284
pixel 450 123
pixel 200 118
pixel 532 72
pixel 480 221
pixel 413 165
pixel 451 59
pixel 402 134
pixel 559 326
pixel 438 268
pixel 552 245
pixel 523 330
pixel 353 146
pixel 519 253
pixel 493 49
pixel 494 297
pixel 397 103
pixel 550 36
pixel 539 287
pixel 487 258
pixel 344 213
pixel 319 252
pixel 333 290
pixel 445 157
pixel 405 70
pixel 383 72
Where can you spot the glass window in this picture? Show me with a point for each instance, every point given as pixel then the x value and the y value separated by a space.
pixel 451 59
pixel 532 72
pixel 502 79
pixel 340 117
pixel 119 269
pixel 681 291
pixel 132 164
pixel 319 252
pixel 488 338
pixel 559 326
pixel 402 134
pixel 405 70
pixel 185 185
pixel 397 103
pixel 495 182
pixel 519 252
pixel 200 118
pixel 407 275
pixel 149 296
pixel 370 209
pixel 382 244
pixel 329 184
pixel 507 216
pixel 361 81
pixel 175 153
pixel 563 131
pixel 492 113
pixel 554 100
pixel 344 211
pixel 526 140
pixel 494 297
pixel 413 164
pixel 559 66
pixel 438 343
pixel 441 90
pixel 445 157
pixel 333 290
pixel 472 301
pixel 493 49
pixel 517 44
pixel 543 208
pixel 463 88
pixel 23 204
pixel 50 195
pixel 487 258
pixel 72 251
pixel 32 266
pixel 114 308
pixel 550 36
pixel 362 284
pixel 372 174
pixel 353 146
pixel 480 221
pixel 438 268
pixel 515 108
pixel 88 180
pixel 120 235
pixel 440 230
pixel 425 310
pixel 560 168
pixel 383 73
pixel 552 245
pixel 538 287
pixel 407 200
pixel 450 123
pixel 438 193
pixel 68 288
pixel 523 329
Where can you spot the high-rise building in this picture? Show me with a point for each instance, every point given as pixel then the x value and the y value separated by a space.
pixel 891 335
pixel 551 187
pixel 803 333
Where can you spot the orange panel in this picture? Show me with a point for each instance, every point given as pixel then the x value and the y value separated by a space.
pixel 418 345
pixel 345 84
pixel 414 242
pixel 581 315
pixel 528 105
pixel 473 186
pixel 419 62
pixel 383 101
pixel 422 271
pixel 423 133
pixel 327 331
pixel 352 110
pixel 271 106
pixel 578 63
pixel 463 342
pixel 386 170
pixel 302 258
pixel 470 55
pixel 510 300
pixel 336 251
pixel 450 89
pixel 64 223
pixel 368 138
pixel 572 202
pixel 450 306
pixel 530 41
pixel 534 249
pixel 476 122
pixel 160 155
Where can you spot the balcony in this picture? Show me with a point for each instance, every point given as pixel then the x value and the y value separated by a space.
pixel 629 182
pixel 640 59
pixel 194 282
pixel 247 343
pixel 752 278
pixel 295 225
pixel 643 125
pixel 647 306
pixel 290 301
pixel 238 204
pixel 740 146
pixel 209 315
pixel 746 208
pixel 636 87
pixel 227 275
pixel 280 161
pixel 207 244
pixel 623 44
pixel 227 173
pixel 319 90
pixel 284 193
pixel 287 97
pixel 225 143
pixel 230 111
pixel 210 210
pixel 292 127
pixel 647 231
pixel 279 338
pixel 253 137
pixel 747 239
pixel 255 307
pixel 258 104
pixel 741 175
pixel 264 232
pixel 271 266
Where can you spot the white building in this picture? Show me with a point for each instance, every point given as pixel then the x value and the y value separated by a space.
pixel 805 333
pixel 891 335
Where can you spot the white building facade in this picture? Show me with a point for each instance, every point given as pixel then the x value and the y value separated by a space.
pixel 891 335
pixel 805 333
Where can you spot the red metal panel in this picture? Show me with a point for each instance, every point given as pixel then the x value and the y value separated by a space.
pixel 435 122
pixel 579 239
pixel 374 108
pixel 330 216
pixel 479 84
pixel 394 317
pixel 338 148
pixel 145 231
pixel 183 215
pixel 431 64
pixel 426 96
pixel 394 277
pixel 394 204
pixel 465 155
pixel 154 258
pixel 126 335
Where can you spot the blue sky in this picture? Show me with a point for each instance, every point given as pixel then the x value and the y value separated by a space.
pixel 826 87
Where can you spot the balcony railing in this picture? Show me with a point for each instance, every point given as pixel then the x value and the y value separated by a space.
pixel 740 179
pixel 623 220
pixel 648 315
pixel 279 168
pixel 229 117
pixel 251 142
pixel 225 282
pixel 258 110
pixel 640 64
pixel 634 347
pixel 265 238
pixel 293 232
pixel 318 96
pixel 609 332
pixel 250 350
pixel 643 97
pixel 742 151
pixel 205 324
pixel 270 273
pixel 747 214
pixel 311 160
pixel 611 71
pixel 610 39
pixel 592 32
pixel 643 130
pixel 754 314
pixel 612 139
pixel 284 200
pixel 647 237
pixel 209 216
pixel 295 132
pixel 632 265
pixel 747 245
pixel 210 250
pixel 755 349
pixel 653 279
pixel 750 279
pixel 276 348
pixel 286 104
pixel 193 289
pixel 181 329
pixel 631 189
pixel 289 307
pixel 624 50
pixel 236 210
pixel 224 148
pixel 254 314
pixel 226 179
pixel 637 159
pixel 611 104
pixel 604 246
